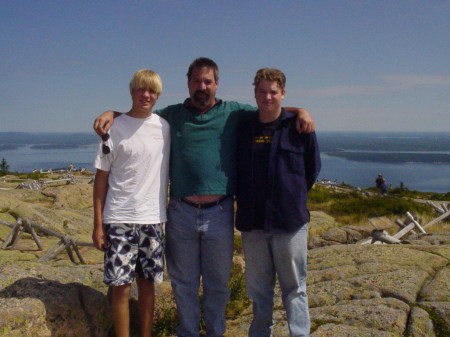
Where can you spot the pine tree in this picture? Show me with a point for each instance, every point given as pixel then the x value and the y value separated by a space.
pixel 4 167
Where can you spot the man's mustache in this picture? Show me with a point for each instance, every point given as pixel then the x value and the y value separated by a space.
pixel 201 92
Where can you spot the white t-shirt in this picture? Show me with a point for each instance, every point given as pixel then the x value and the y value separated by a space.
pixel 138 166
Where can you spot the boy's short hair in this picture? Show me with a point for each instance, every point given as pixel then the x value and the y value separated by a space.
pixel 201 62
pixel 270 74
pixel 146 79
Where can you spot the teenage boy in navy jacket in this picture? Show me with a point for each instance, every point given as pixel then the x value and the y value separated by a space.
pixel 276 168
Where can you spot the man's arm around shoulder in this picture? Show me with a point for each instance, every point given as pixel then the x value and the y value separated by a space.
pixel 304 123
pixel 104 122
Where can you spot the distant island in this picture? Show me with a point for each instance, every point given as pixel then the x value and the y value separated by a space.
pixel 55 138
pixel 55 146
pixel 393 157
pixel 9 147
pixel 387 147
pixel 384 147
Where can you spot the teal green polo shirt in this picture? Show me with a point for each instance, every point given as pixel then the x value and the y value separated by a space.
pixel 203 148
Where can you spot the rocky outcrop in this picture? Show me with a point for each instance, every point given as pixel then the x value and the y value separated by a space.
pixel 53 208
pixel 374 290
pixel 354 290
pixel 61 299
pixel 41 300
pixel 325 231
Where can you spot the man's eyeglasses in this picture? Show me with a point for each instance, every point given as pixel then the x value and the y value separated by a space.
pixel 105 147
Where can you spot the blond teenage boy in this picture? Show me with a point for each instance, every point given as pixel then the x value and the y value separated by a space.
pixel 130 195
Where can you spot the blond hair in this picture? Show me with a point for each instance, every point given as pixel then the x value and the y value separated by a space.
pixel 146 79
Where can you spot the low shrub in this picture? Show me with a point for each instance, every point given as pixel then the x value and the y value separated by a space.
pixel 166 324
pixel 406 193
pixel 321 195
pixel 353 206
pixel 375 206
pixel 238 299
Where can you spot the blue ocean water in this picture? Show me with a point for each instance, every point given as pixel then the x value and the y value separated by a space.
pixel 420 161
pixel 27 159
pixel 415 176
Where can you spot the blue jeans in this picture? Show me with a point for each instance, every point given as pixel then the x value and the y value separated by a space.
pixel 199 244
pixel 285 255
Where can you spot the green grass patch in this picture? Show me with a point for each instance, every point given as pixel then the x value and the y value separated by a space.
pixel 238 249
pixel 374 206
pixel 4 210
pixel 406 193
pixel 166 324
pixel 353 206
pixel 238 299
pixel 321 195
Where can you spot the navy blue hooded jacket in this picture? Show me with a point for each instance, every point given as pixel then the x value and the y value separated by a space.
pixel 294 164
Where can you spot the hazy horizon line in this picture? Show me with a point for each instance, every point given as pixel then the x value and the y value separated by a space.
pixel 317 130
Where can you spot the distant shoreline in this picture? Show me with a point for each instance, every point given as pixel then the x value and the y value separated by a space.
pixel 393 158
pixel 418 160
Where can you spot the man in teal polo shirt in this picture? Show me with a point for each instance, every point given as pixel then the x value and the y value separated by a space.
pixel 199 230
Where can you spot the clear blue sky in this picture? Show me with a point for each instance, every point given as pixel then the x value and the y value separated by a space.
pixel 355 65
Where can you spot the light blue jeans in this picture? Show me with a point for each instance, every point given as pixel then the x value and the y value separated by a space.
pixel 199 245
pixel 267 255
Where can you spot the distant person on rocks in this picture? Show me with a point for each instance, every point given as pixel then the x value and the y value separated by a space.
pixel 381 184
pixel 130 197
pixel 277 166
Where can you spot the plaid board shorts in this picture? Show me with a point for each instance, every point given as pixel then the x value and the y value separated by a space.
pixel 133 249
